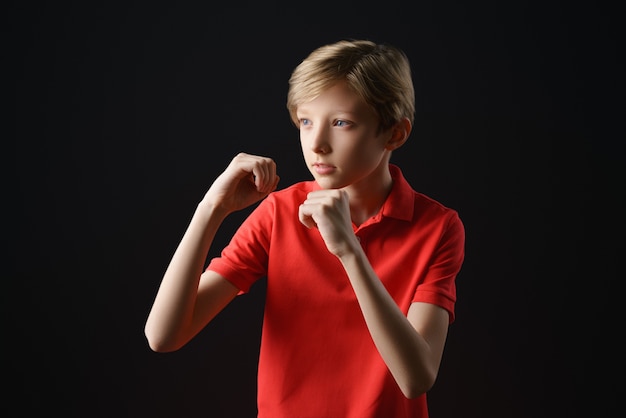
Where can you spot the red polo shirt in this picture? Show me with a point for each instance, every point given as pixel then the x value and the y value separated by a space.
pixel 317 357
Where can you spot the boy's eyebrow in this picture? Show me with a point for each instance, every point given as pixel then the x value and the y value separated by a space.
pixel 333 112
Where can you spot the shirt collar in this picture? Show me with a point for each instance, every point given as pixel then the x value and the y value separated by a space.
pixel 400 203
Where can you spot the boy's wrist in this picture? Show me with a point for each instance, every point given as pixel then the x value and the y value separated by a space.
pixel 211 210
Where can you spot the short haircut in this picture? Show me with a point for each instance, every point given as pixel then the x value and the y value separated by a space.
pixel 379 73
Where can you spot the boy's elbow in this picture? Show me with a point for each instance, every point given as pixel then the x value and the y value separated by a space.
pixel 416 387
pixel 158 347
pixel 412 392
pixel 159 343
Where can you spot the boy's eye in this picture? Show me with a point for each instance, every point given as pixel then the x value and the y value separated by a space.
pixel 305 122
pixel 341 123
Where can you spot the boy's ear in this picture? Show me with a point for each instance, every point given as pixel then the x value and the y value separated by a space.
pixel 399 134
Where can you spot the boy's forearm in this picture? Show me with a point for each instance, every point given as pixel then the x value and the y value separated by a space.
pixel 402 348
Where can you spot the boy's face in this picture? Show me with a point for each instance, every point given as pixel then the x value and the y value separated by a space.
pixel 340 139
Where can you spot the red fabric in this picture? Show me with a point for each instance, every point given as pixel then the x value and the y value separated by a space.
pixel 317 358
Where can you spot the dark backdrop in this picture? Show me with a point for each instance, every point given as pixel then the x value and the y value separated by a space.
pixel 123 115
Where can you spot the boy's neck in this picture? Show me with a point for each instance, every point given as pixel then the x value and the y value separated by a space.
pixel 368 196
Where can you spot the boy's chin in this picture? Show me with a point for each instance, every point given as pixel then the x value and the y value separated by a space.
pixel 327 184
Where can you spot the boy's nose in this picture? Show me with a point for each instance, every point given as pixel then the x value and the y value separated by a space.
pixel 319 142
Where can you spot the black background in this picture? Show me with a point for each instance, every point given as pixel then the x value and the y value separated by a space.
pixel 125 113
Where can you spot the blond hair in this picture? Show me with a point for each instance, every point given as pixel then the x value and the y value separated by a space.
pixel 379 73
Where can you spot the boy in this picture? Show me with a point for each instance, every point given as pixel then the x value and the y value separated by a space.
pixel 360 268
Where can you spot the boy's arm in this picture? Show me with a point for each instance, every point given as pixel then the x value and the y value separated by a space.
pixel 177 314
pixel 187 298
pixel 411 346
